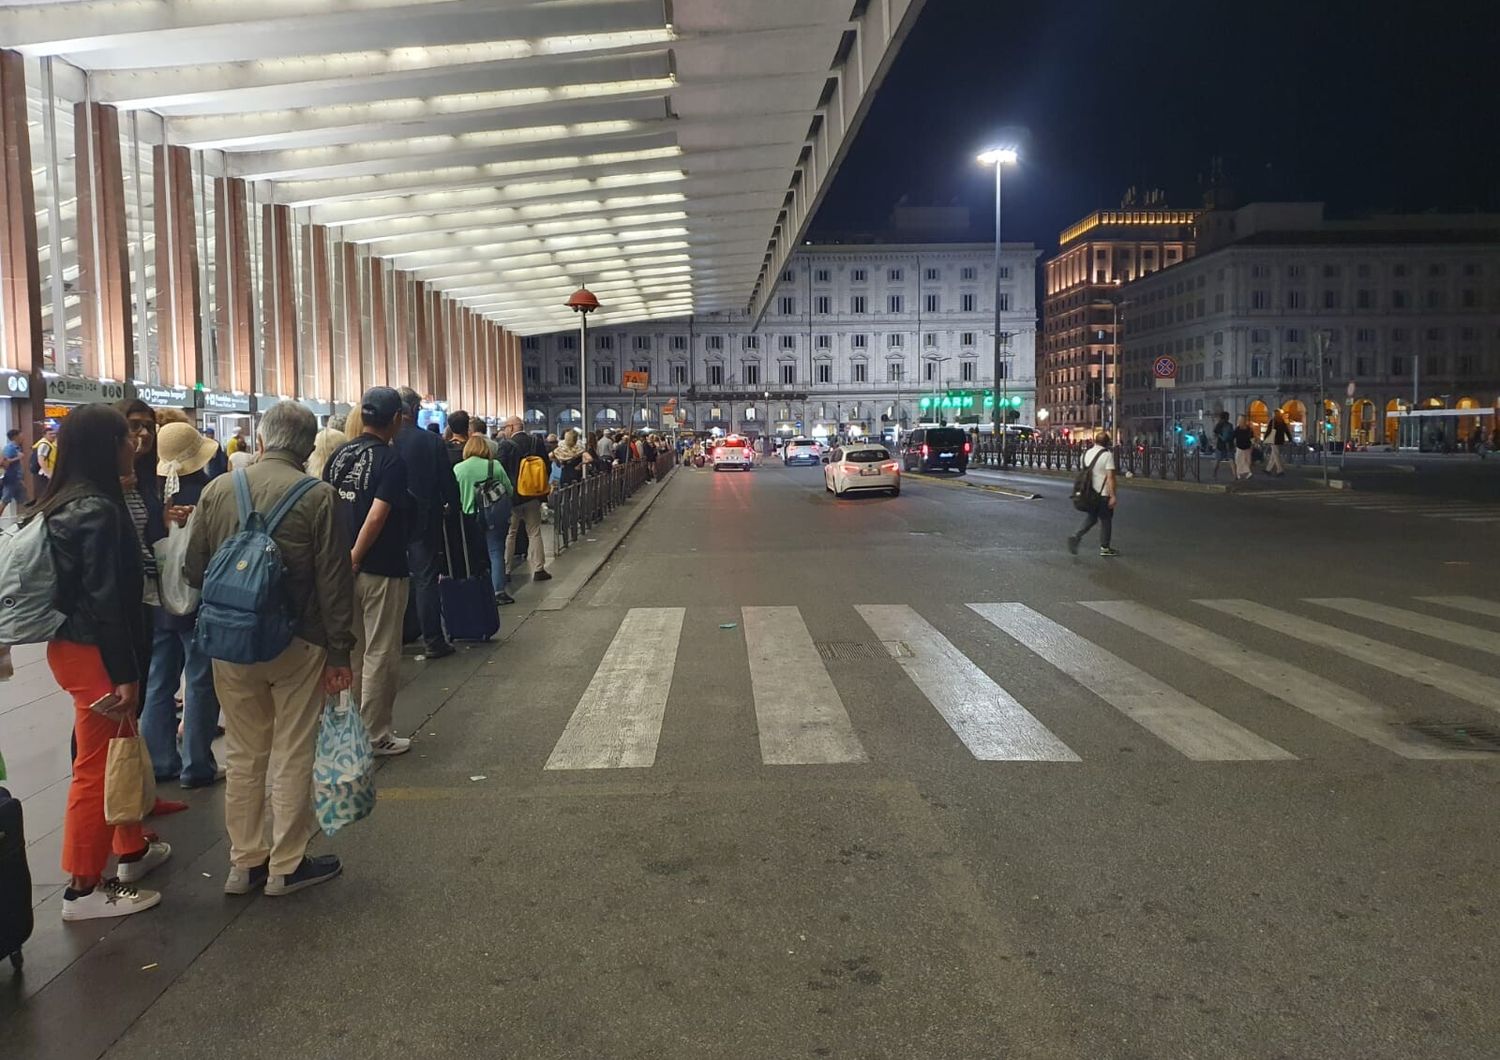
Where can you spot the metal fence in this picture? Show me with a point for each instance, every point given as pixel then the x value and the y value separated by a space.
pixel 580 506
pixel 1140 461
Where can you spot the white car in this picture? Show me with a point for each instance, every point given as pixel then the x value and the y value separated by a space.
pixel 861 467
pixel 802 451
pixel 732 452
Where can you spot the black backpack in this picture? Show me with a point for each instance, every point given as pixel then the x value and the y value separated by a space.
pixel 1085 497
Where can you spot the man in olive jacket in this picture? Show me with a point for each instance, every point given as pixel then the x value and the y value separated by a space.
pixel 272 709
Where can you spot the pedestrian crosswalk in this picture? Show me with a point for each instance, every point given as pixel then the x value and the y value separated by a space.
pixel 1456 510
pixel 810 712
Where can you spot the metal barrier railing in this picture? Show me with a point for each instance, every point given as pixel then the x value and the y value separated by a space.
pixel 580 506
pixel 1139 461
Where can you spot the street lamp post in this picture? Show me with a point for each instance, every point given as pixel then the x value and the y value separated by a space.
pixel 999 157
pixel 937 375
pixel 583 302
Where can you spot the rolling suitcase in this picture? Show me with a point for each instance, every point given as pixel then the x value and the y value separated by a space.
pixel 469 609
pixel 15 881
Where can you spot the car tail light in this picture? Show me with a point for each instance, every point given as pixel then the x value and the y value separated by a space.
pixel 966 447
pixel 892 467
pixel 924 448
pixel 849 469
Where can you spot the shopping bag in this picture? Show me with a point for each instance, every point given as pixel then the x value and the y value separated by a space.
pixel 177 596
pixel 344 769
pixel 129 780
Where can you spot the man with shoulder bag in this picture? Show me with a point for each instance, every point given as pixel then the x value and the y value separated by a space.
pixel 1094 494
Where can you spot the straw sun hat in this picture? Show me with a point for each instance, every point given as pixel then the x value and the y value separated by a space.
pixel 181 450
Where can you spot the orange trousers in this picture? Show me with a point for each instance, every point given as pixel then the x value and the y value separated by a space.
pixel 79 670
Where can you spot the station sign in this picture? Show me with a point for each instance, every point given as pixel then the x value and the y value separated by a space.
pixel 179 397
pixel 14 384
pixel 75 390
pixel 221 401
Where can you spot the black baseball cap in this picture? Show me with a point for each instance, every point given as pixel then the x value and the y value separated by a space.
pixel 379 406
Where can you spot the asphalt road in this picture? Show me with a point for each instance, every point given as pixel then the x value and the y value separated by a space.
pixel 948 848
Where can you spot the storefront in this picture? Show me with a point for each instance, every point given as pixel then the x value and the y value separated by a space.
pixel 225 413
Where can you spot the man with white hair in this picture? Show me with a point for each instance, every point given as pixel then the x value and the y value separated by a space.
pixel 272 709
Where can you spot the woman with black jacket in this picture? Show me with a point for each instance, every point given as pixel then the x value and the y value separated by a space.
pixel 100 653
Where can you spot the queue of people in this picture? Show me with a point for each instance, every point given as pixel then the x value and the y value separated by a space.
pixel 141 510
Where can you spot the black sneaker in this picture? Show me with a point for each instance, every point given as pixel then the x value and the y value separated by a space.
pixel 1107 551
pixel 312 871
pixel 541 576
pixel 442 651
pixel 502 598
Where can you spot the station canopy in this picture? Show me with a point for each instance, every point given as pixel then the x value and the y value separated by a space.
pixel 668 153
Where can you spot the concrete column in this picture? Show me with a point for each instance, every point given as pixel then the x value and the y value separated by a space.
pixel 421 309
pixel 357 377
pixel 103 257
pixel 380 344
pixel 233 314
pixel 178 301
pixel 278 305
pixel 317 306
pixel 20 277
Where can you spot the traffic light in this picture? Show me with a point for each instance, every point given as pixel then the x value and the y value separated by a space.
pixel 1189 439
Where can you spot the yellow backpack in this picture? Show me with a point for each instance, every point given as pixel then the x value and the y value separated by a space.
pixel 531 477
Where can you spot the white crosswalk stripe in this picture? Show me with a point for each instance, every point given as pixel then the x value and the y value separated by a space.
pixel 1321 698
pixel 1454 632
pixel 1177 719
pixel 798 712
pixel 989 721
pixel 1472 604
pixel 1455 680
pixel 618 721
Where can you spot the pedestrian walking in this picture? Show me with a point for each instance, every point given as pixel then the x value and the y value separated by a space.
pixel 434 491
pixel 1098 478
pixel 272 708
pixel 371 481
pixel 12 482
pixel 100 653
pixel 1223 443
pixel 1277 436
pixel 1244 442
pixel 182 460
pixel 516 451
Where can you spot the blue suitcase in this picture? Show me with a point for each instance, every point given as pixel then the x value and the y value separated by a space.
pixel 468 603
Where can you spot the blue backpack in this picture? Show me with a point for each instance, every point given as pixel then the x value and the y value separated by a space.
pixel 246 615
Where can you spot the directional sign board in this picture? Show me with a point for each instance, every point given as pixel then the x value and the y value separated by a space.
pixel 1165 370
pixel 638 381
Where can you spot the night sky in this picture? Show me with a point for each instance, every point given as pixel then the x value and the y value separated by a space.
pixel 1374 106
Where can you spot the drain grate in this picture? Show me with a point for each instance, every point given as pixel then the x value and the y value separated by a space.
pixel 863 650
pixel 1459 736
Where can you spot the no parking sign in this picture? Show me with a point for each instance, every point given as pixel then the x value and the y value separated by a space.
pixel 1165 370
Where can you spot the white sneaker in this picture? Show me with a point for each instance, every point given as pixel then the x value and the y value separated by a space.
pixel 135 871
pixel 110 898
pixel 392 745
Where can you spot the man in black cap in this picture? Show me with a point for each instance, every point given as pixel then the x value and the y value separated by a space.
pixel 433 489
pixel 371 481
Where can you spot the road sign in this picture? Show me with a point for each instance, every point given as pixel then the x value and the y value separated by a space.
pixel 1165 367
pixel 637 381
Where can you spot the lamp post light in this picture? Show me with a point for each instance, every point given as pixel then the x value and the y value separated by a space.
pixel 583 302
pixel 999 157
pixel 937 377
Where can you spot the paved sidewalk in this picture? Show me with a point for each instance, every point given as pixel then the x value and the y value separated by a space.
pixel 35 724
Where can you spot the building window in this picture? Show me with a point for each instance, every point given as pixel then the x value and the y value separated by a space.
pixel 604 342
pixel 968 272
pixel 642 342
pixel 1219 302
pixel 606 374
pixel 1004 369
pixel 861 372
pixel 1004 302
pixel 1435 299
pixel 679 342
pixel 679 374
pixel 789 342
pixel 790 275
pixel 895 341
pixel 531 342
pixel 967 302
pixel 749 412
pixel 824 342
pixel 857 276
pixel 568 342
pixel 788 374
pixel 1294 272
pixel 966 339
pixel 1005 272
pixel 567 375
pixel 716 375
pixel 1260 299
pixel 823 305
pixel 1365 335
pixel 933 275
pixel 714 342
pixel 1364 298
pixel 930 340
pixel 752 373
pixel 1294 299
pixel 823 276
pixel 1398 366
pixel 786 305
pixel 1398 299
pixel 966 370
pixel 857 304
pixel 1293 336
pixel 894 303
pixel 752 342
pixel 929 370
pixel 1257 367
pixel 893 275
pixel 533 374
pixel 858 342
pixel 1330 299
pixel 932 302
pixel 895 372
pixel 825 372
pixel 1470 298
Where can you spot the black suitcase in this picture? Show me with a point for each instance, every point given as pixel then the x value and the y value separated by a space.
pixel 469 609
pixel 16 919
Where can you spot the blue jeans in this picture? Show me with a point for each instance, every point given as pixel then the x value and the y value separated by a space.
pixel 494 540
pixel 173 650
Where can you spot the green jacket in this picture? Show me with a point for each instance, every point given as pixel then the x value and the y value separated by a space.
pixel 473 470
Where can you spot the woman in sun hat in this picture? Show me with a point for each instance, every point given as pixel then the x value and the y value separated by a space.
pixel 183 457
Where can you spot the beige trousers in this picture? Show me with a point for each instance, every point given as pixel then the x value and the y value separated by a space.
pixel 528 515
pixel 271 714
pixel 380 605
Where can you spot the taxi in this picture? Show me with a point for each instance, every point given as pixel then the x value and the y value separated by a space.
pixel 732 452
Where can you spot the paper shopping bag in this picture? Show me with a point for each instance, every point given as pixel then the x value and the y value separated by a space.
pixel 129 780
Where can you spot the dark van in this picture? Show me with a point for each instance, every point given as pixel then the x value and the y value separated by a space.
pixel 936 449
